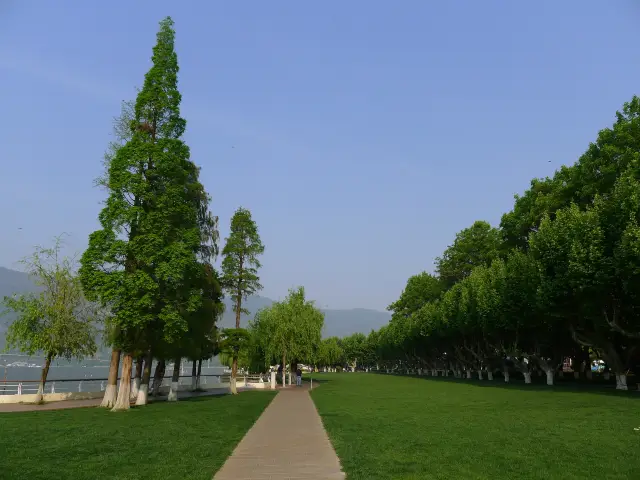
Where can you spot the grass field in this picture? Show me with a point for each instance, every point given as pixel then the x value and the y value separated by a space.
pixel 188 439
pixel 390 427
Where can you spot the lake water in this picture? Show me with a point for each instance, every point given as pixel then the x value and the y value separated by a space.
pixel 92 372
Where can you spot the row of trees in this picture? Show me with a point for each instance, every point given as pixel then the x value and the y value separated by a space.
pixel 559 278
pixel 147 279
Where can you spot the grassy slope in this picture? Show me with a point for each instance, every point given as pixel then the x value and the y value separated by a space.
pixel 388 427
pixel 189 439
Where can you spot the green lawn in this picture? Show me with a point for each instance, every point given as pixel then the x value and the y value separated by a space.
pixel 390 427
pixel 188 439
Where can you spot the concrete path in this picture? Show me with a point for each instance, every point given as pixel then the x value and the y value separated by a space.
pixel 288 442
pixel 94 402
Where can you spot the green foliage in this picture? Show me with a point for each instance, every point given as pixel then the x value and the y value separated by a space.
pixel 475 246
pixel 240 262
pixel 291 328
pixel 155 228
pixel 57 320
pixel 421 289
pixel 616 150
pixel 330 353
pixel 233 340
pixel 559 279
pixel 354 348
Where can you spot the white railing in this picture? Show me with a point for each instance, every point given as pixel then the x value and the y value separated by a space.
pixel 25 387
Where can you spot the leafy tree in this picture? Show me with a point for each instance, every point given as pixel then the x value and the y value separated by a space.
pixel 421 289
pixel 477 245
pixel 142 262
pixel 290 329
pixel 595 172
pixel 330 353
pixel 240 266
pixel 57 321
pixel 354 347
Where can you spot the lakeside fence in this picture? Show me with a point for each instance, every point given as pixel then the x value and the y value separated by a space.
pixel 71 385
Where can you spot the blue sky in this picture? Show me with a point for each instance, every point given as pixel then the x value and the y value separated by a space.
pixel 362 135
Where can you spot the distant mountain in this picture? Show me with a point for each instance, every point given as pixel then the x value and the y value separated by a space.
pixel 337 323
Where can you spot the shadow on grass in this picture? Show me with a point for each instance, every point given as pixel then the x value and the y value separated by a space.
pixel 317 378
pixel 596 387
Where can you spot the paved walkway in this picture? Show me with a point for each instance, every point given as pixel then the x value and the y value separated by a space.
pixel 94 402
pixel 288 442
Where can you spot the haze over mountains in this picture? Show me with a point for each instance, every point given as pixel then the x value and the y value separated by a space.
pixel 338 323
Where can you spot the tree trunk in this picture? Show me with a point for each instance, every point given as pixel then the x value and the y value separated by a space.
pixel 234 373
pixel 43 378
pixel 621 381
pixel 506 376
pixel 479 374
pixel 142 397
pixel 290 367
pixel 175 380
pixel 198 374
pixel 589 374
pixel 468 374
pixel 550 372
pixel 527 377
pixel 490 375
pixel 158 376
pixel 194 375
pixel 137 377
pixel 124 392
pixel 284 369
pixel 234 365
pixel 109 399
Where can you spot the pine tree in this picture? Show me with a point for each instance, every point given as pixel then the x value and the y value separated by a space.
pixel 240 279
pixel 155 224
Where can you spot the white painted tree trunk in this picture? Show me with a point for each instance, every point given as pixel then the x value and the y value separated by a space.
pixel 527 377
pixel 124 392
pixel 173 392
pixel 506 376
pixel 434 373
pixel 143 394
pixel 549 377
pixel 490 375
pixel 469 374
pixel 109 399
pixel 40 393
pixel 607 376
pixel 194 383
pixel 621 382
pixel 111 392
pixel 175 381
pixel 480 375
pixel 135 388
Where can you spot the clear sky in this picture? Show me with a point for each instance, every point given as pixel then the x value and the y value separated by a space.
pixel 362 134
